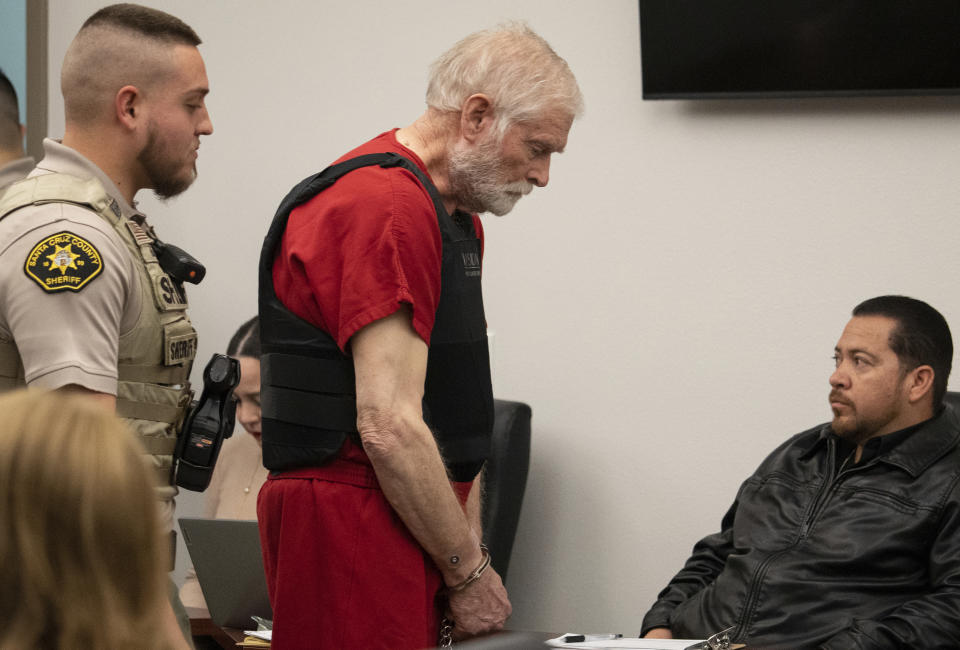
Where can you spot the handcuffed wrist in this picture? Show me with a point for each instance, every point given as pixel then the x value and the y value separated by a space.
pixel 475 574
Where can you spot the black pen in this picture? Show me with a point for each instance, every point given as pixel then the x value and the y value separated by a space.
pixel 582 638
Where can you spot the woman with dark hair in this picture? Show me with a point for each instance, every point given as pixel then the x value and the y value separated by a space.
pixel 239 472
pixel 245 347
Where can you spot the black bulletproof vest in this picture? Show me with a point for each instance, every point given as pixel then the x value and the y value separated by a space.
pixel 307 385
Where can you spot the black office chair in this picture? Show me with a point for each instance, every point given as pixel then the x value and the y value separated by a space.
pixel 952 399
pixel 505 479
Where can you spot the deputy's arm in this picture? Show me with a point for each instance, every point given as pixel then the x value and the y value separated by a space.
pixel 391 361
pixel 106 400
pixel 69 339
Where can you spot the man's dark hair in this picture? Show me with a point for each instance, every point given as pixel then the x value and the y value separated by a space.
pixel 150 22
pixel 9 107
pixel 10 135
pixel 920 338
pixel 246 341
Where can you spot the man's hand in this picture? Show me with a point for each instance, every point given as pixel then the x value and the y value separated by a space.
pixel 480 608
pixel 659 633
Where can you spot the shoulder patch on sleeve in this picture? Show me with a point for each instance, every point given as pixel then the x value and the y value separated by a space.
pixel 63 262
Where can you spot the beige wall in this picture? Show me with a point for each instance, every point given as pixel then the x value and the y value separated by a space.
pixel 668 306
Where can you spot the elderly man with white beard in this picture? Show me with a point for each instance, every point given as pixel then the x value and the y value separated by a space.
pixel 377 404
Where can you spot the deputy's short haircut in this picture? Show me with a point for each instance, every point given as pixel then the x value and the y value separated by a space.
pixel 152 23
pixel 119 45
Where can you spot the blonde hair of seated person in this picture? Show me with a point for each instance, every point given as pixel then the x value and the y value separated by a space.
pixel 81 553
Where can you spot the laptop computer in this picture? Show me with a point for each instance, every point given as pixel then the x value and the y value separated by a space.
pixel 226 556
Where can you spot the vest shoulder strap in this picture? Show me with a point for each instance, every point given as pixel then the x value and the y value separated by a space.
pixel 58 188
pixel 303 192
pixel 313 185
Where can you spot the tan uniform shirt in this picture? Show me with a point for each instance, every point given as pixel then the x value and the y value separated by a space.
pixel 14 171
pixel 232 494
pixel 68 337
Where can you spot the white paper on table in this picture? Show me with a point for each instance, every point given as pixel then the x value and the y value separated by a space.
pixel 636 644
pixel 259 634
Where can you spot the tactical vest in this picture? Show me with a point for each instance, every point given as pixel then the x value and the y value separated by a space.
pixel 307 385
pixel 155 357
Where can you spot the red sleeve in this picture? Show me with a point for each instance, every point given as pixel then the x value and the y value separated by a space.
pixel 360 249
pixel 478 228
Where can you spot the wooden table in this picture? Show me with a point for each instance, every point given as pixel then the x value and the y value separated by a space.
pixel 207 635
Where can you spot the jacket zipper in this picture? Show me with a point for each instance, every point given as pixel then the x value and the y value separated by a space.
pixel 822 497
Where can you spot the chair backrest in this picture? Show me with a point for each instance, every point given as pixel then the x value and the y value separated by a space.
pixel 505 479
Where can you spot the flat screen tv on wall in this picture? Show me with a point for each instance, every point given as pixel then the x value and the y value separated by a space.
pixel 791 48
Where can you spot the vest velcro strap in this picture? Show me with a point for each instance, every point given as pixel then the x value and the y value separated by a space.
pixel 157 446
pixel 312 374
pixel 153 374
pixel 297 435
pixel 310 409
pixel 162 476
pixel 146 411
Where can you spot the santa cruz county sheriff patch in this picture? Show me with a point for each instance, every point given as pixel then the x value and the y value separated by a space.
pixel 63 262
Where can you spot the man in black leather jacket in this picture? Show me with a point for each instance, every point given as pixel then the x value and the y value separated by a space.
pixel 848 534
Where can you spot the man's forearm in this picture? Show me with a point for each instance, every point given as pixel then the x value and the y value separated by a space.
pixel 475 506
pixel 390 361
pixel 413 479
pixel 702 568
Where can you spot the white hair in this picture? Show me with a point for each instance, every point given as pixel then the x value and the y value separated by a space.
pixel 514 67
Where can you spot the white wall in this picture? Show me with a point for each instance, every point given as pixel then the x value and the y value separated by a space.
pixel 668 306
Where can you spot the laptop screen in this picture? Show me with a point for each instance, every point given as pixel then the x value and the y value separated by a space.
pixel 226 556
